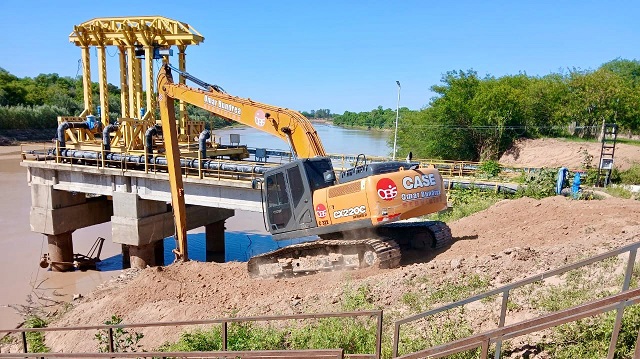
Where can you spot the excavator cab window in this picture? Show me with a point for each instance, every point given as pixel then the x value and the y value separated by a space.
pixel 320 173
pixel 278 207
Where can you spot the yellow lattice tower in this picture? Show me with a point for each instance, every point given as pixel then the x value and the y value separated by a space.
pixel 129 34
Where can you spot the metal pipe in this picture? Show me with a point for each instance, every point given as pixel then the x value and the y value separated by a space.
pixel 64 126
pixel 106 138
pixel 204 136
pixel 208 164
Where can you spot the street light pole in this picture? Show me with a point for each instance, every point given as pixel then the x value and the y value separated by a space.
pixel 395 135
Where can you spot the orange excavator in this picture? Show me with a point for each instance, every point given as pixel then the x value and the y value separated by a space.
pixel 357 213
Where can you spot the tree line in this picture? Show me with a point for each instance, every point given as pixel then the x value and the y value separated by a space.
pixel 478 118
pixel 35 103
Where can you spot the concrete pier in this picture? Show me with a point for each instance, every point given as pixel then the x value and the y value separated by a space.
pixel 61 251
pixel 65 198
pixel 214 234
pixel 58 213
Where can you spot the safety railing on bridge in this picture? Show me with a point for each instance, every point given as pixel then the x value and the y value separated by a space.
pixel 223 322
pixel 619 302
pixel 249 169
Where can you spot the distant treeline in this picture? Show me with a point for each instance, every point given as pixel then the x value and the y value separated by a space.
pixel 470 118
pixel 474 118
pixel 32 103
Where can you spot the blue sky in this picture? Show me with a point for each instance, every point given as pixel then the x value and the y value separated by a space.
pixel 341 55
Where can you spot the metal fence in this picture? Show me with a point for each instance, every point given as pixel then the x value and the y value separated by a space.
pixel 497 336
pixel 224 322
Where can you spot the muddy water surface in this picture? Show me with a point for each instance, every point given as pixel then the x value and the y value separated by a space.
pixel 21 249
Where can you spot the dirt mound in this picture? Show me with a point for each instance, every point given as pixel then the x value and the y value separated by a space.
pixel 509 241
pixel 555 152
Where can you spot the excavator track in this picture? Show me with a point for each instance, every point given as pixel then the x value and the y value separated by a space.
pixel 382 248
pixel 324 256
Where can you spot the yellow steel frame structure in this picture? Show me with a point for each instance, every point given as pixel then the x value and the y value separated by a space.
pixel 129 34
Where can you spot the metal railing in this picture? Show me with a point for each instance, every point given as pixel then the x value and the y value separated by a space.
pixel 224 322
pixel 505 291
pixel 448 169
pixel 484 340
pixel 257 354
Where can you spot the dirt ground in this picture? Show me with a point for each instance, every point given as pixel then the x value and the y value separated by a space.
pixel 557 152
pixel 507 242
pixel 512 240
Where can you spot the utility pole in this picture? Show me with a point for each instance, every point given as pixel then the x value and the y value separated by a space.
pixel 395 135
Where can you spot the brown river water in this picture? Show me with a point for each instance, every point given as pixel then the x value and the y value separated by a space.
pixel 21 249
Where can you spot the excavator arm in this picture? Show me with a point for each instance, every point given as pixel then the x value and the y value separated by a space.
pixel 288 125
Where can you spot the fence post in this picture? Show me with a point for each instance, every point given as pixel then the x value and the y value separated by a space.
pixel 396 340
pixel 621 306
pixel 224 336
pixel 111 340
pixel 379 336
pixel 503 314
pixel 24 342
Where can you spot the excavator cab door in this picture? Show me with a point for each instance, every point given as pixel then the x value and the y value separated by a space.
pixel 289 204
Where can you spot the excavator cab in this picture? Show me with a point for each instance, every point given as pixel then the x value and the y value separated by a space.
pixel 288 193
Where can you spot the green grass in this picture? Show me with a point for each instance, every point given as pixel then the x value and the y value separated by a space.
pixel 447 292
pixel 589 338
pixel 467 201
pixel 354 335
pixel 35 340
pixel 628 141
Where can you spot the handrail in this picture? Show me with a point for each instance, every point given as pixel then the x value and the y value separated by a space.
pixel 257 354
pixel 224 321
pixel 582 311
pixel 505 290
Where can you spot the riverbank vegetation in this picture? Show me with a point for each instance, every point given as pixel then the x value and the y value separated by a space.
pixel 470 118
pixel 478 118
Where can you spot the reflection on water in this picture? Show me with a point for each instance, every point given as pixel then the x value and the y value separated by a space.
pixel 239 246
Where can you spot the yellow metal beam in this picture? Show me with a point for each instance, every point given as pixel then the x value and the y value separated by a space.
pixel 131 76
pixel 137 81
pixel 166 32
pixel 124 85
pixel 86 80
pixel 104 90
pixel 182 65
pixel 149 80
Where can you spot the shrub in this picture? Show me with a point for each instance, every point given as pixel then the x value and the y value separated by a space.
pixel 490 168
pixel 631 176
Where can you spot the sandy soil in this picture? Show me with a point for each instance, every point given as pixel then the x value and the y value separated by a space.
pixel 554 152
pixel 509 241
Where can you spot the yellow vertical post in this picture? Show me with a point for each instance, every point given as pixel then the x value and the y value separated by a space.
pixel 148 60
pixel 86 79
pixel 182 65
pixel 138 86
pixel 124 85
pixel 131 76
pixel 104 91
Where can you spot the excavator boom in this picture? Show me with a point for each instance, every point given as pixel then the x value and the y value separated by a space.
pixel 288 125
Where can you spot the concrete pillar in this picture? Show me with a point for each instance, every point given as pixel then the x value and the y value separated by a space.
pixel 147 255
pixel 214 234
pixel 126 259
pixel 61 250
